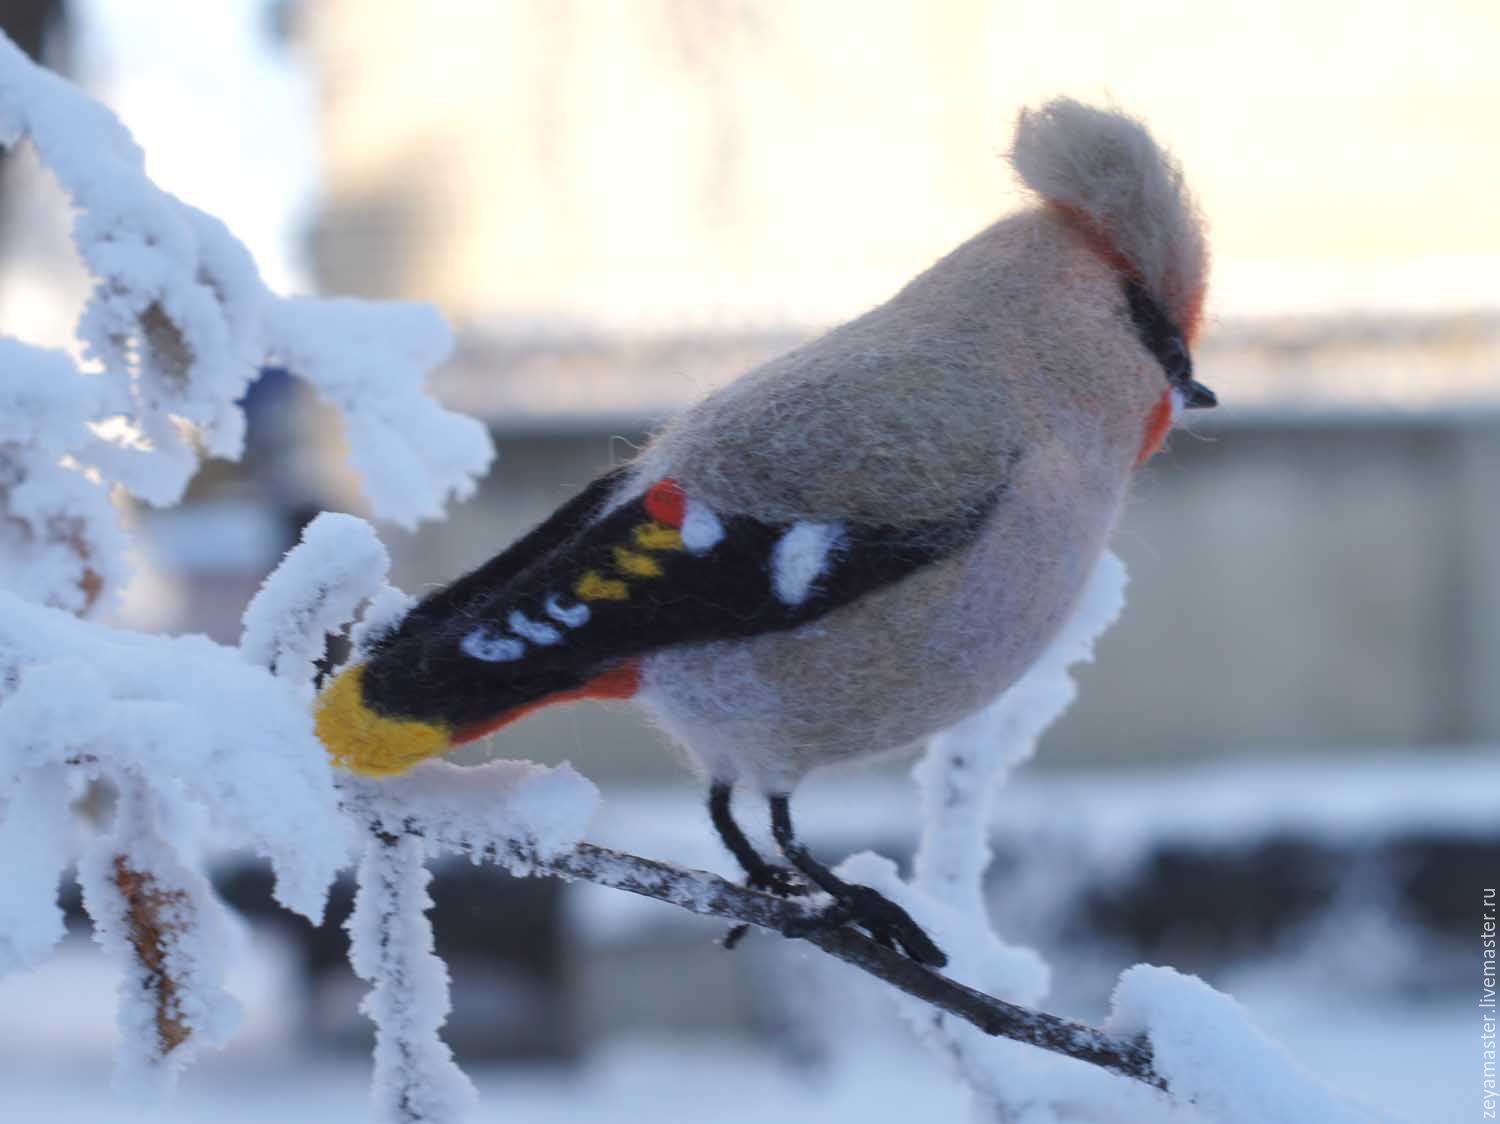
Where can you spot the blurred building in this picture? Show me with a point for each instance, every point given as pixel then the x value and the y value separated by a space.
pixel 623 204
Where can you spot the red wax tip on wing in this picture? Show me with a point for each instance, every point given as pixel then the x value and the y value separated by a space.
pixel 666 503
pixel 618 683
pixel 1158 424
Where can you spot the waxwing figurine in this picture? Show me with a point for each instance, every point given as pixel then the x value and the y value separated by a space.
pixel 856 544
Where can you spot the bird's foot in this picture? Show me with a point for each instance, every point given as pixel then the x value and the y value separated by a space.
pixel 886 922
pixel 780 881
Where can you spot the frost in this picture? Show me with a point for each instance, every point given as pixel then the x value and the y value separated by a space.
pixel 130 754
pixel 369 360
pixel 178 711
pixel 1217 1067
pixel 338 564
pixel 179 323
pixel 512 810
pixel 158 919
pixel 416 1079
pixel 34 832
pixel 1213 1056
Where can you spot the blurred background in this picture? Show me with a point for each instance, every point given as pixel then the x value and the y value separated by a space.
pixel 1280 772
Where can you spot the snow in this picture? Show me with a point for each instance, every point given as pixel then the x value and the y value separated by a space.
pixel 416 1080
pixel 1415 1059
pixel 175 743
pixel 512 811
pixel 957 778
pixel 186 715
pixel 35 841
pixel 385 611
pixel 369 360
pixel 1214 1057
pixel 337 566
pixel 61 536
pixel 180 322
pixel 964 765
pixel 194 943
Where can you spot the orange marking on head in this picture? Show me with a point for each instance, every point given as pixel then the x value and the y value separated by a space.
pixel 1158 425
pixel 1188 316
pixel 1192 316
pixel 1094 238
pixel 618 683
pixel 666 502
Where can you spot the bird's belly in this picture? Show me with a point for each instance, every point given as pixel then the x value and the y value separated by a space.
pixel 883 673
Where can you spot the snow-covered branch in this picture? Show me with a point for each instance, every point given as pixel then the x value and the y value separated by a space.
pixel 180 322
pixel 390 946
pixel 176 740
pixel 453 809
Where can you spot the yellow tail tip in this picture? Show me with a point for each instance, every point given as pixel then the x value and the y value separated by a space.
pixel 364 742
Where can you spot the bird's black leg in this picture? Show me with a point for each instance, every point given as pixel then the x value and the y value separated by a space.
pixel 882 918
pixel 759 874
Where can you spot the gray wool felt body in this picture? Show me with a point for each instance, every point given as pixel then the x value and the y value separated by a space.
pixel 1009 368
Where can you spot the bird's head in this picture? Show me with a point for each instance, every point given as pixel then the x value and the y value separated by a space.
pixel 1120 194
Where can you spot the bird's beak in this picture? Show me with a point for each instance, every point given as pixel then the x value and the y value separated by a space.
pixel 1196 396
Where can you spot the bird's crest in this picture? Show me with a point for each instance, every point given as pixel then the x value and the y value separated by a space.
pixel 1102 171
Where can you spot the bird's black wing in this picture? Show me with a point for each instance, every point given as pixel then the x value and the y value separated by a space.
pixel 583 595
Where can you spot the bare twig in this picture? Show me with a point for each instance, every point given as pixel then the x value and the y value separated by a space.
pixel 703 893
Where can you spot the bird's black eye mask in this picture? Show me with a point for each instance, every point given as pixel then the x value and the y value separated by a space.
pixel 1161 338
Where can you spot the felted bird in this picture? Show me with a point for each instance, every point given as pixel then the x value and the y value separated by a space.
pixel 855 544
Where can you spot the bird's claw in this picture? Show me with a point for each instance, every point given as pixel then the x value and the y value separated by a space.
pixel 885 921
pixel 781 881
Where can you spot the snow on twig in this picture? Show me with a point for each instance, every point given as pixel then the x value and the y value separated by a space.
pixel 158 919
pixel 527 813
pixel 188 737
pixel 35 840
pixel 1214 1056
pixel 390 946
pixel 559 795
pixel 338 564
pixel 965 764
pixel 182 715
pixel 957 779
pixel 178 325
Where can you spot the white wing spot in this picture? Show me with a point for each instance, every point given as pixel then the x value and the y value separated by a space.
pixel 701 528
pixel 483 643
pixel 528 629
pixel 574 616
pixel 799 557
